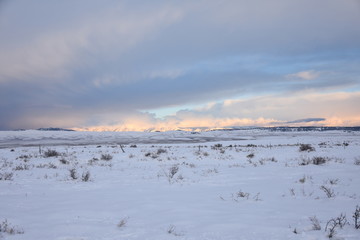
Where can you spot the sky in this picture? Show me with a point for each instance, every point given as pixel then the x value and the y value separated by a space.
pixel 164 65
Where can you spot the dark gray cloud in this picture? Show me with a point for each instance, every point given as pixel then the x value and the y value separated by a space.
pixel 307 120
pixel 82 61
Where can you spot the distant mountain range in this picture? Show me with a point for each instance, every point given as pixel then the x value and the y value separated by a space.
pixel 283 129
pixel 235 128
pixel 54 129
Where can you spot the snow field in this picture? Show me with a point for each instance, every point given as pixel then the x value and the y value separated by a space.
pixel 259 188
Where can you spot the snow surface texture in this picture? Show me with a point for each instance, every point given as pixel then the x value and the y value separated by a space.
pixel 178 185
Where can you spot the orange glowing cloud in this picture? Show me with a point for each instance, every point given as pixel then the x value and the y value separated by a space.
pixel 333 109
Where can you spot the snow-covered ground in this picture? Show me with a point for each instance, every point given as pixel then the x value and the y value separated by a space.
pixel 179 185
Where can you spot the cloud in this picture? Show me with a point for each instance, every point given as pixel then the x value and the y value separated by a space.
pixel 308 120
pixel 99 63
pixel 305 75
pixel 55 53
pixel 263 111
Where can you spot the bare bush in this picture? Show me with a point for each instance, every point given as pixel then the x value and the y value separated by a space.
pixel 25 157
pixel 73 174
pixel 292 192
pixel 160 151
pixel 21 167
pixel 303 179
pixel 6 176
pixel 93 161
pixel 315 223
pixel 85 177
pixel 251 155
pixel 333 181
pixel 251 145
pixel 306 148
pixel 328 191
pixel 106 157
pixel 217 146
pixel 123 222
pixel 356 217
pixel 243 194
pixel 319 160
pixel 6 227
pixel 333 223
pixel 51 153
pixel 64 161
pixel 172 230
pixel 171 172
pixel 240 195
pixel 303 161
pixel 48 165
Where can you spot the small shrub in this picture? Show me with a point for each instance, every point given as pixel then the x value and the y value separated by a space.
pixel 172 230
pixel 133 146
pixel 51 165
pixel 356 217
pixel 6 176
pixel 148 154
pixel 333 181
pixel 93 161
pixel 302 180
pixel 64 161
pixel 123 222
pixel 319 160
pixel 251 145
pixel 173 170
pixel 51 153
pixel 292 192
pixel 304 161
pixel 21 167
pixel 306 147
pixel 73 174
pixel 170 173
pixel 272 159
pixel 160 151
pixel 6 227
pixel 357 161
pixel 242 194
pixel 85 176
pixel 106 157
pixel 25 157
pixel 251 155
pixel 328 191
pixel 333 223
pixel 315 223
